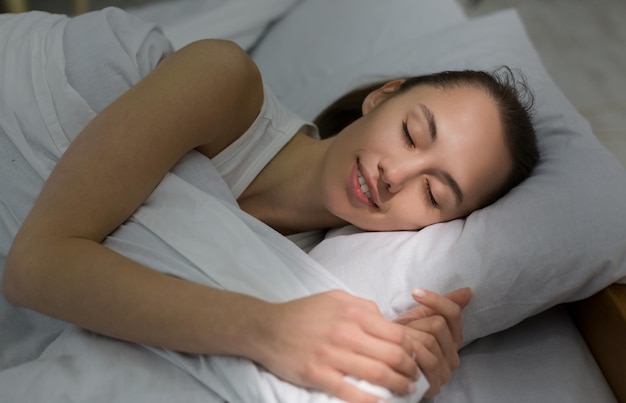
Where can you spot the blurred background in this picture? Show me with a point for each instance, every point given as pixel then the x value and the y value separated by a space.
pixel 582 44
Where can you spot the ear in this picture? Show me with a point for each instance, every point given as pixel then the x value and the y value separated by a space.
pixel 380 95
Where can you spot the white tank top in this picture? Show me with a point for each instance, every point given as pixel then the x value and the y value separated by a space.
pixel 243 160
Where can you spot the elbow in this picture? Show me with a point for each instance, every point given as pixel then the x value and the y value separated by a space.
pixel 14 277
pixel 10 285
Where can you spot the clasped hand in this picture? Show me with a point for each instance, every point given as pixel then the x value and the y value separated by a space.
pixel 317 340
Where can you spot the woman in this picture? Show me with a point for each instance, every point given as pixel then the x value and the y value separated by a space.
pixel 421 153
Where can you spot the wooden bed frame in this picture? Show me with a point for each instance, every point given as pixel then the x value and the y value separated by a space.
pixel 601 320
pixel 20 6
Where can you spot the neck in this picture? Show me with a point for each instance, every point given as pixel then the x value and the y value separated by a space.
pixel 287 194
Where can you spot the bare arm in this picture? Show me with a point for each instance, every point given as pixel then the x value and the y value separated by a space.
pixel 203 97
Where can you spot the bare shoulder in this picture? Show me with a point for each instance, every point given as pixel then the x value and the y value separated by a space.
pixel 203 96
pixel 216 55
pixel 216 86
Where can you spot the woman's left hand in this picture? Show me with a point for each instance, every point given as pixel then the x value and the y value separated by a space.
pixel 436 331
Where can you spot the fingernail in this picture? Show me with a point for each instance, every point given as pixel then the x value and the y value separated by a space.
pixel 418 292
pixel 412 388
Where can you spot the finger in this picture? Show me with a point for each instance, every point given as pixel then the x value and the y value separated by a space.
pixel 375 325
pixel 461 296
pixel 379 374
pixel 441 305
pixel 334 383
pixel 438 327
pixel 375 344
pixel 373 371
pixel 371 321
pixel 430 360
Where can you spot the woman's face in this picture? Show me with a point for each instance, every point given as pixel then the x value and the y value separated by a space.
pixel 424 156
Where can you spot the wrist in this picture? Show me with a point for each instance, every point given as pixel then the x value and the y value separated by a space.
pixel 248 327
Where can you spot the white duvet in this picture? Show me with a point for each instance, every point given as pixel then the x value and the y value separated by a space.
pixel 164 233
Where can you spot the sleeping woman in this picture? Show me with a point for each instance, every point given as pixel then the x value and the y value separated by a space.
pixel 400 155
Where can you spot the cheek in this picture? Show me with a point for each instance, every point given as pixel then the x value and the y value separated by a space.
pixel 368 131
pixel 409 213
pixel 332 192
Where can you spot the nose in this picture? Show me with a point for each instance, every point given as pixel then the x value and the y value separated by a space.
pixel 396 173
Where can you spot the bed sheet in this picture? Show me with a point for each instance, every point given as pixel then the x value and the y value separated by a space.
pixel 49 112
pixel 542 359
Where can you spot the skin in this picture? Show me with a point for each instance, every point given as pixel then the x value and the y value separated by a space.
pixel 204 97
pixel 409 173
pixel 409 168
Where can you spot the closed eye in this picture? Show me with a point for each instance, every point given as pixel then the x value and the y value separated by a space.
pixel 407 135
pixel 429 195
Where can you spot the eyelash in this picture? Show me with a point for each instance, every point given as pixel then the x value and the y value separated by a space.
pixel 430 198
pixel 429 195
pixel 407 136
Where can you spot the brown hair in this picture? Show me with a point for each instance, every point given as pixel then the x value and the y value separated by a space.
pixel 511 93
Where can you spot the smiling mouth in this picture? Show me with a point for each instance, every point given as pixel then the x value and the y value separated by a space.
pixel 364 188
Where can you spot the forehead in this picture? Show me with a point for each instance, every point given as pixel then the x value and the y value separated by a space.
pixel 466 103
pixel 462 92
pixel 465 111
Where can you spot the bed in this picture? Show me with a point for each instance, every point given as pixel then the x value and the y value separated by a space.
pixel 549 317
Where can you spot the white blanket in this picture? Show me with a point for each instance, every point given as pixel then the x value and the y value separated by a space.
pixel 168 232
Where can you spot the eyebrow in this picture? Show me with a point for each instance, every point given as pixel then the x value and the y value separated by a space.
pixel 430 119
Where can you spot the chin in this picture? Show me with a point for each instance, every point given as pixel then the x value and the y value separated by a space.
pixel 383 227
pixel 372 227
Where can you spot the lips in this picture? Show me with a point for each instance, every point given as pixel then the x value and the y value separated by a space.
pixel 362 186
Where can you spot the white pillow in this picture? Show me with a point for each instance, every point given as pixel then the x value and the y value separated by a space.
pixel 559 236
pixel 185 21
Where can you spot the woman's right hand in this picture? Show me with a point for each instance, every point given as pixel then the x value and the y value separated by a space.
pixel 436 326
pixel 317 340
